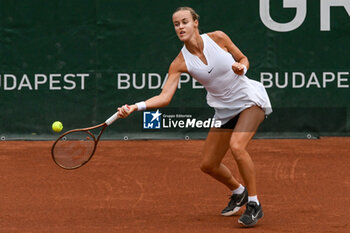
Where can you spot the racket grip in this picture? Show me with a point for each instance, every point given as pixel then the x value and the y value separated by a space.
pixel 112 119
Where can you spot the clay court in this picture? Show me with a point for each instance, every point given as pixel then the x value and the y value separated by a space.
pixel 157 186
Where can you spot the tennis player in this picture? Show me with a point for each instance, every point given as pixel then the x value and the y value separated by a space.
pixel 240 103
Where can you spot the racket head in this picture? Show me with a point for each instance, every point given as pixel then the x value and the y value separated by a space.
pixel 74 148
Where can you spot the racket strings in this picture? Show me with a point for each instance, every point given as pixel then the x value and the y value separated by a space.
pixel 74 149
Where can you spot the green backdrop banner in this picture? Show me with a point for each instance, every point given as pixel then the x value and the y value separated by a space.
pixel 77 61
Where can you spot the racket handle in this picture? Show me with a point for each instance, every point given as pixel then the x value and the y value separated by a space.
pixel 112 119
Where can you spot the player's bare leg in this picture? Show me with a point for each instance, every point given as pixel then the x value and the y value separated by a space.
pixel 248 123
pixel 246 127
pixel 215 148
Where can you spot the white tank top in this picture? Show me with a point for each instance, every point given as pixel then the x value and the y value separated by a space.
pixel 227 92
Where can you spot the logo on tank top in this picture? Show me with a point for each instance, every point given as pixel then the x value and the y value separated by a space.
pixel 210 70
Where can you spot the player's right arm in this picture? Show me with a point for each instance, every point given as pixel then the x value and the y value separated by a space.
pixel 177 67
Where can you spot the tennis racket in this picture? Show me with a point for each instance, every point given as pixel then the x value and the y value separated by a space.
pixel 76 147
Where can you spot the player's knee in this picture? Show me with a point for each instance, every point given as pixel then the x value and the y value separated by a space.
pixel 207 167
pixel 237 150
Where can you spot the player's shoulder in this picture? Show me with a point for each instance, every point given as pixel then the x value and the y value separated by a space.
pixel 178 64
pixel 218 35
pixel 221 39
pixel 179 59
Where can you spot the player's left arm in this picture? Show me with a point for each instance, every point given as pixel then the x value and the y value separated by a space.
pixel 226 43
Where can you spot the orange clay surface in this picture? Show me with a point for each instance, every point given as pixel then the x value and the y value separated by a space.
pixel 157 186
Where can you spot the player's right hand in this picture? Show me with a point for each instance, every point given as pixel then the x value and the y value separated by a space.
pixel 126 110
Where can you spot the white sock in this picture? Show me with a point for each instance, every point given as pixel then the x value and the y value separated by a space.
pixel 253 198
pixel 238 190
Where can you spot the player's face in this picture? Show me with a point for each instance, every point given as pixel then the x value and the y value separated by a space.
pixel 184 25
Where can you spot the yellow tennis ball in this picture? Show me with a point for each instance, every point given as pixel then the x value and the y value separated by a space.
pixel 57 126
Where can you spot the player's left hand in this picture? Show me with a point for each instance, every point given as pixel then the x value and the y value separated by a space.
pixel 238 68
